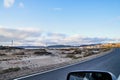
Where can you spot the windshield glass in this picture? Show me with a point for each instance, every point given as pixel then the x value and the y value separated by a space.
pixel 41 39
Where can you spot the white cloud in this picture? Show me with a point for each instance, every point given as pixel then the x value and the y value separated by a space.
pixel 21 5
pixel 57 9
pixel 7 34
pixel 31 36
pixel 30 29
pixel 8 3
pixel 74 40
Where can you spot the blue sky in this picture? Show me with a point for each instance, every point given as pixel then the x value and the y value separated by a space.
pixel 53 21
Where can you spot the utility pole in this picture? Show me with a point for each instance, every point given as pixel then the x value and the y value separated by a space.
pixel 12 43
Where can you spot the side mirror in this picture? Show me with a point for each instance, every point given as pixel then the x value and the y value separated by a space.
pixel 90 75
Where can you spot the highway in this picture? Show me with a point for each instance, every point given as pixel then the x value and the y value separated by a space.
pixel 109 62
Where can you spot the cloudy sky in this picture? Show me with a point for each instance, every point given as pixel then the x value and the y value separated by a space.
pixel 50 22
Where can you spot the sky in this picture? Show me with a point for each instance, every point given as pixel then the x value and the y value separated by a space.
pixel 51 22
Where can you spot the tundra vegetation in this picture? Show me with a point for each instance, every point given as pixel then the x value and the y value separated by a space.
pixel 10 70
pixel 25 61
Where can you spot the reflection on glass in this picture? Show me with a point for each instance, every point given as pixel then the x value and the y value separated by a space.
pixel 90 76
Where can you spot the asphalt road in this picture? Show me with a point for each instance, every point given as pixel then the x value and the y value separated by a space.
pixel 109 62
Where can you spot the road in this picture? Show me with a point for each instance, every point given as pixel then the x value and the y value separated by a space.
pixel 109 62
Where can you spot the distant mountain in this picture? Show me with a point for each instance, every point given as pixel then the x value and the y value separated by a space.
pixel 9 47
pixel 59 46
pixel 53 46
pixel 62 46
pixel 89 45
pixel 38 47
pixel 31 47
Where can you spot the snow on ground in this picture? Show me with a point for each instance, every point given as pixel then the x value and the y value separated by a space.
pixel 34 61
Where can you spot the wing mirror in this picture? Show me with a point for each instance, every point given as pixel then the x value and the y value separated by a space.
pixel 90 75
